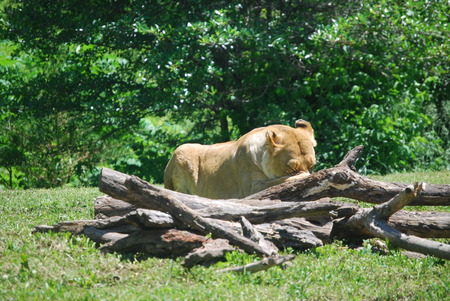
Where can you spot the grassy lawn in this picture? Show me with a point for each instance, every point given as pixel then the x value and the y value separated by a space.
pixel 64 267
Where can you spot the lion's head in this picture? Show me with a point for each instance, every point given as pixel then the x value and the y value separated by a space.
pixel 290 152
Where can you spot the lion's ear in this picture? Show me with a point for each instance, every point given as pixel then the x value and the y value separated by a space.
pixel 273 139
pixel 303 124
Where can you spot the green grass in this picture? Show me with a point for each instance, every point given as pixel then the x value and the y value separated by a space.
pixel 432 177
pixel 65 267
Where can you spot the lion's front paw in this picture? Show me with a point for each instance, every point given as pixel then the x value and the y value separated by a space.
pixel 299 176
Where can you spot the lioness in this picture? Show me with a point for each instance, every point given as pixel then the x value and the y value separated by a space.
pixel 262 158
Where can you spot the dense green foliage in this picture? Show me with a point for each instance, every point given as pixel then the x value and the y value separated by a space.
pixel 64 267
pixel 121 83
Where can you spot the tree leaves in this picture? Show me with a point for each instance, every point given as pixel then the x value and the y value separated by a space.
pixel 362 73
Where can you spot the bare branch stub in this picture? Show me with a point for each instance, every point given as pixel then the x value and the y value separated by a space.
pixel 385 210
pixel 253 234
pixel 351 157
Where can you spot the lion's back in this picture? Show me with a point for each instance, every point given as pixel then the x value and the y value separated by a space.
pixel 195 166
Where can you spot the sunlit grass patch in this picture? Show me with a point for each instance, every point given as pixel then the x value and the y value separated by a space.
pixel 60 266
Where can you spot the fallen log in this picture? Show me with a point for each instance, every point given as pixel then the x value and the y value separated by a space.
pixel 425 224
pixel 374 222
pixel 154 242
pixel 113 183
pixel 343 181
pixel 285 236
pixel 77 227
pixel 319 228
pixel 106 206
pixel 142 194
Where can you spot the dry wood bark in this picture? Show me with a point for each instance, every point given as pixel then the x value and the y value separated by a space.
pixel 122 223
pixel 106 206
pixel 374 222
pixel 423 223
pixel 154 242
pixel 131 238
pixel 285 236
pixel 426 224
pixel 250 231
pixel 212 251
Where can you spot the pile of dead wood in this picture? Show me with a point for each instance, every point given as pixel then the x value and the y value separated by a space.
pixel 139 217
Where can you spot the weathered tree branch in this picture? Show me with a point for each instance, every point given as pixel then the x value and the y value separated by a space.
pixel 374 222
pixel 423 223
pixel 253 234
pixel 265 264
pixel 211 252
pixel 155 242
pixel 351 157
pixel 342 181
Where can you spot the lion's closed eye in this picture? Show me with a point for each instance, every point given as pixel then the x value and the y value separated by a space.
pixel 292 172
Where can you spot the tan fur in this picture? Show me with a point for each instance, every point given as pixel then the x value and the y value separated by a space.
pixel 262 158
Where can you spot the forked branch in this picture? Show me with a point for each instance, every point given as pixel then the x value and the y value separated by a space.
pixel 374 222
